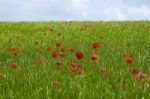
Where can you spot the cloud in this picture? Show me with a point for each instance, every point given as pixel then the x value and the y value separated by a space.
pixel 46 10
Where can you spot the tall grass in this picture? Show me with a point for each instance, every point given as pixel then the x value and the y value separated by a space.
pixel 31 80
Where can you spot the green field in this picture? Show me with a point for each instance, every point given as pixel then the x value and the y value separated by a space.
pixel 29 70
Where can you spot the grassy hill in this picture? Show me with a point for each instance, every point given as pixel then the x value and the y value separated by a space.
pixel 75 60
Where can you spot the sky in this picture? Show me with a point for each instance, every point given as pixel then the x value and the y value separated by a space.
pixel 79 10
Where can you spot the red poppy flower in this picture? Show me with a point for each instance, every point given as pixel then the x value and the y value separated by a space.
pixel 76 68
pixel 140 76
pixel 95 57
pixel 62 50
pixel 96 45
pixel 58 44
pixel 134 71
pixel 15 52
pixel 72 69
pixel 48 49
pixel 63 55
pixel 79 55
pixel 129 59
pixel 55 54
pixel 14 65
pixel 79 68
pixel 102 69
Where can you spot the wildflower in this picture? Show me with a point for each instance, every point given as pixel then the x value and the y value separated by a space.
pixel 55 54
pixel 140 76
pixel 62 50
pixel 129 59
pixel 72 69
pixel 134 71
pixel 14 65
pixel 48 49
pixel 79 55
pixel 58 44
pixel 15 52
pixel 96 45
pixel 63 55
pixel 76 68
pixel 95 57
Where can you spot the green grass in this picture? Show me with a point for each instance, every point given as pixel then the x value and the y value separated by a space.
pixel 30 80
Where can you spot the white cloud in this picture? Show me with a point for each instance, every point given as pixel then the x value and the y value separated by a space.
pixel 46 10
pixel 135 13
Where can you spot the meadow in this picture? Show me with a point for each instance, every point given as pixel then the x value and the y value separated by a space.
pixel 75 60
